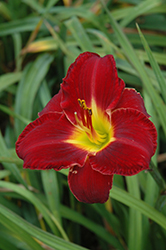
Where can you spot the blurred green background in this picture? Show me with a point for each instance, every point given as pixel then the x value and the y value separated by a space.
pixel 39 39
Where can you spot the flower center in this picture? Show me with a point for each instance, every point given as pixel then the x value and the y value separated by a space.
pixel 92 130
pixel 85 124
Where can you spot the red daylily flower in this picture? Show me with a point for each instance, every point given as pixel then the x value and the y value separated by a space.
pixel 94 126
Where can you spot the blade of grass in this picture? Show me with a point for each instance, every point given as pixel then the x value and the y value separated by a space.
pixel 157 39
pixel 129 200
pixel 17 49
pixel 94 227
pixel 5 244
pixel 4 173
pixel 34 33
pixel 51 188
pixel 17 26
pixel 22 235
pixel 11 160
pixel 152 190
pixel 46 44
pixel 10 166
pixel 85 11
pixel 44 93
pixel 33 4
pixel 107 44
pixel 4 10
pixel 157 176
pixel 135 217
pixel 59 41
pixel 9 235
pixel 9 79
pixel 79 34
pixel 140 9
pixel 28 195
pixel 110 217
pixel 133 58
pixel 154 65
pixel 7 217
pixel 51 3
pixel 13 114
pixel 28 87
pixel 160 58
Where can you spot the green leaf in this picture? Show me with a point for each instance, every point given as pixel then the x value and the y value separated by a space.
pixel 135 217
pixel 129 200
pixel 133 58
pixel 155 66
pixel 154 180
pixel 4 10
pixel 140 9
pixel 51 3
pixel 4 173
pixel 157 39
pixel 157 176
pixel 33 4
pixel 10 166
pixel 17 26
pixel 9 79
pixel 107 44
pixel 50 184
pixel 22 234
pixel 28 195
pixel 109 216
pixel 59 41
pixel 13 114
pixel 94 227
pixel 79 34
pixel 44 93
pixel 30 82
pixel 17 224
pixel 5 244
pixel 83 11
pixel 46 44
pixel 160 58
pixel 17 49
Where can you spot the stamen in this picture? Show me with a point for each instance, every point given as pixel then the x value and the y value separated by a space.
pixel 89 111
pixel 80 102
pixel 86 125
pixel 84 105
pixel 76 118
pixel 83 117
pixel 80 125
pixel 89 120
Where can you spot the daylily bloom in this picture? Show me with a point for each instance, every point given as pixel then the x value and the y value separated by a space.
pixel 94 126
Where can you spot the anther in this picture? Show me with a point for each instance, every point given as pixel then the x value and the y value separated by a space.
pixel 80 102
pixel 84 105
pixel 89 111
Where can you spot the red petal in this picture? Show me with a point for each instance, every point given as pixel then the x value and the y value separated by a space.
pixel 134 144
pixel 42 144
pixel 88 185
pixel 53 105
pixel 91 77
pixel 132 99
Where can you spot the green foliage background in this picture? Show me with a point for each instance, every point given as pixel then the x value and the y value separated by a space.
pixel 39 39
